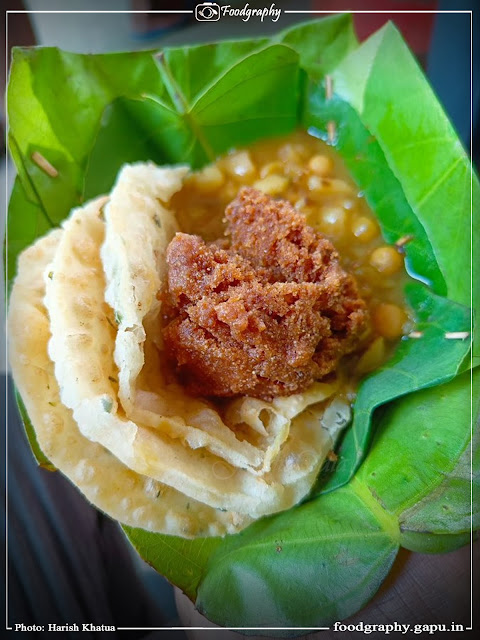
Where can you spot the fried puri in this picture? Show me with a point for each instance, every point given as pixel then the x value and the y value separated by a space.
pixel 264 313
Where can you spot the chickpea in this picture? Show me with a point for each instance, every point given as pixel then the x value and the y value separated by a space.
pixel 320 165
pixel 208 179
pixel 240 165
pixel 333 221
pixel 293 153
pixel 271 167
pixel 294 171
pixel 389 320
pixel 365 229
pixel 272 185
pixel 229 191
pixel 316 184
pixel 336 185
pixel 300 204
pixel 372 358
pixel 386 260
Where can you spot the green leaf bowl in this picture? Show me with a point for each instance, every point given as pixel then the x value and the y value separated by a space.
pixel 404 476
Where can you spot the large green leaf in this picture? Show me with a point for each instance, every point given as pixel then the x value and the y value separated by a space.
pixel 124 136
pixel 374 112
pixel 182 561
pixel 196 68
pixel 141 129
pixel 383 189
pixel 274 573
pixel 226 113
pixel 322 49
pixel 25 222
pixel 425 176
pixel 435 184
pixel 87 115
pixel 417 363
pixel 305 567
pixel 413 490
pixel 420 464
pixel 55 101
pixel 40 457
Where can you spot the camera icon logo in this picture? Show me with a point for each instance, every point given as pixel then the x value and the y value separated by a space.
pixel 207 12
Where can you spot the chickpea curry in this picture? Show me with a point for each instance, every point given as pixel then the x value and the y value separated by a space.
pixel 291 280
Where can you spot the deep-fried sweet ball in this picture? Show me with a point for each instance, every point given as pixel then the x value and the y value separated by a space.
pixel 265 314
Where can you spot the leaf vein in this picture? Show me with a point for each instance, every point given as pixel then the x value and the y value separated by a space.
pixel 440 180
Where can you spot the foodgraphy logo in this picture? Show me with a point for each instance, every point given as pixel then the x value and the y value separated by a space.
pixel 207 12
pixel 211 11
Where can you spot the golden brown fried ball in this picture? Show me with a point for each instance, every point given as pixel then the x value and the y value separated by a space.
pixel 265 316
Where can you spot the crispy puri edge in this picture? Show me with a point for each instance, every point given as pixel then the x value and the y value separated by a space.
pixel 153 506
pixel 138 201
pixel 82 366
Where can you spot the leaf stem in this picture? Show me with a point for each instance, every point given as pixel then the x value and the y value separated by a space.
pixel 181 104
